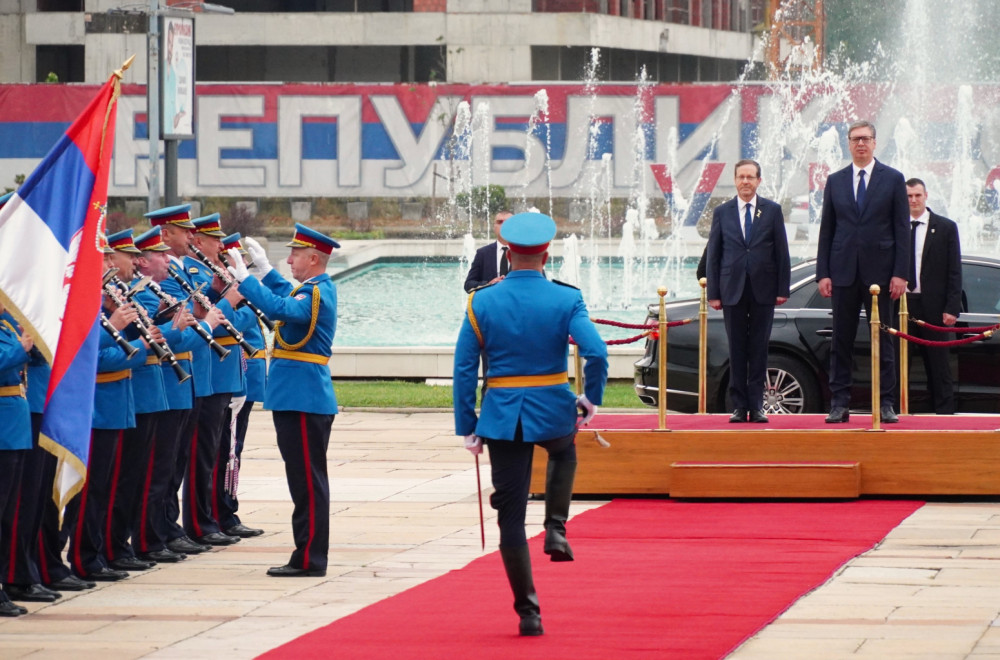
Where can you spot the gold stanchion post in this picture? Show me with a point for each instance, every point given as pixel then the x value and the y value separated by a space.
pixel 876 328
pixel 703 349
pixel 904 357
pixel 662 345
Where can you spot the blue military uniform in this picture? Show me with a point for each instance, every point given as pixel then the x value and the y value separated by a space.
pixel 15 441
pixel 523 325
pixel 300 394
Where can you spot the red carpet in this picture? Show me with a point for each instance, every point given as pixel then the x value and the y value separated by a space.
pixel 657 579
pixel 679 422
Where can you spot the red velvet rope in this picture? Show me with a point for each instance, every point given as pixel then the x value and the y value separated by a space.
pixel 928 342
pixel 953 329
pixel 619 324
pixel 615 342
pixel 650 330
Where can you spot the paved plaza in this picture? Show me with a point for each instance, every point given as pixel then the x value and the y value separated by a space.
pixel 404 511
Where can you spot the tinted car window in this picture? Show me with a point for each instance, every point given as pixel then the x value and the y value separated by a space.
pixel 981 286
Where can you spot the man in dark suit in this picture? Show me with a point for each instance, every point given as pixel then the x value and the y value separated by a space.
pixel 491 263
pixel 748 271
pixel 864 239
pixel 935 289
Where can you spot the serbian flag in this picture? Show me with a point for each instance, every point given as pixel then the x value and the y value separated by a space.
pixel 51 276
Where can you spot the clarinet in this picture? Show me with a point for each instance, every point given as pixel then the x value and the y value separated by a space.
pixel 203 300
pixel 221 351
pixel 268 323
pixel 114 289
pixel 129 349
pixel 226 277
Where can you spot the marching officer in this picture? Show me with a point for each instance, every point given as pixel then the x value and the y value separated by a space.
pixel 523 325
pixel 299 390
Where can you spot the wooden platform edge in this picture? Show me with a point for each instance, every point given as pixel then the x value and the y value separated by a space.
pixel 806 480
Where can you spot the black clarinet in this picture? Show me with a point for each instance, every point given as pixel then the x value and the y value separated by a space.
pixel 203 300
pixel 225 276
pixel 172 304
pixel 268 323
pixel 129 349
pixel 114 289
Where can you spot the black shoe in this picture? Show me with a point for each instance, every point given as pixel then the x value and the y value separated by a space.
pixel 71 583
pixel 7 608
pixel 218 538
pixel 106 575
pixel 291 571
pixel 758 416
pixel 185 546
pixel 163 556
pixel 739 415
pixel 888 415
pixel 243 531
pixel 838 414
pixel 132 564
pixel 33 593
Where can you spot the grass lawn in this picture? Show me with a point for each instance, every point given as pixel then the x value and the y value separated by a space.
pixel 403 394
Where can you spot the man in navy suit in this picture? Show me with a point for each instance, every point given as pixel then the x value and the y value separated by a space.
pixel 748 272
pixel 490 263
pixel 935 289
pixel 864 239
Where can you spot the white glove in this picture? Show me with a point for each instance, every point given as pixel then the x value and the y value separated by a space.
pixel 236 265
pixel 587 408
pixel 259 257
pixel 474 444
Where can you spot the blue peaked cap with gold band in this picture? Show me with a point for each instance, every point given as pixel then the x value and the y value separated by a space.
pixel 151 241
pixel 310 238
pixel 528 233
pixel 210 225
pixel 232 242
pixel 121 241
pixel 178 216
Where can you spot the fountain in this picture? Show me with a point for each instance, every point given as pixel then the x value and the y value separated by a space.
pixel 934 122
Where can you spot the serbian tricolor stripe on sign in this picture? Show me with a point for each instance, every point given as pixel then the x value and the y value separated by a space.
pixel 51 276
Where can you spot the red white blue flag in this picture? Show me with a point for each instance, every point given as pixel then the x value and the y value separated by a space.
pixel 50 279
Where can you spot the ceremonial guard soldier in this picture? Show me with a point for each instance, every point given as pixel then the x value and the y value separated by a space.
pixel 299 389
pixel 199 516
pixel 15 441
pixel 523 325
pixel 237 419
pixel 175 231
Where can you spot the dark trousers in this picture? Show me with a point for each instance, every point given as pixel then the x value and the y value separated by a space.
pixel 131 463
pixel 748 327
pixel 303 439
pixel 510 466
pixel 939 379
pixel 152 528
pixel 51 537
pixel 172 508
pixel 11 462
pixel 87 514
pixel 227 504
pixel 198 486
pixel 23 520
pixel 847 304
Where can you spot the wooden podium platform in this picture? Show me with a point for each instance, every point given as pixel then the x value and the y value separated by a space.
pixel 754 461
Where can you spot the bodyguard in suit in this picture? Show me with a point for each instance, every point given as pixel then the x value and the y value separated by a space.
pixel 864 239
pixel 299 391
pixel 748 271
pixel 491 261
pixel 934 289
pixel 523 325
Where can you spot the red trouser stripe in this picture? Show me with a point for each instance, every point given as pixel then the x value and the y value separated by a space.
pixel 12 555
pixel 109 549
pixel 78 532
pixel 309 487
pixel 191 501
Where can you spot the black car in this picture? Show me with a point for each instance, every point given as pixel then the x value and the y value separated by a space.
pixel 799 352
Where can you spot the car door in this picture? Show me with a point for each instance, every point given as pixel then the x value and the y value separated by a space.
pixel 977 383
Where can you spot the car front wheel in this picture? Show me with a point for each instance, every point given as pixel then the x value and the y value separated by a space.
pixel 789 387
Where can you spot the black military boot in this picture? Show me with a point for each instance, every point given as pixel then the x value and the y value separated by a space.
pixel 558 493
pixel 517 563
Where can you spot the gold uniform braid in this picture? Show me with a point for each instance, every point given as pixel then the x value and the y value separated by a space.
pixel 312 322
